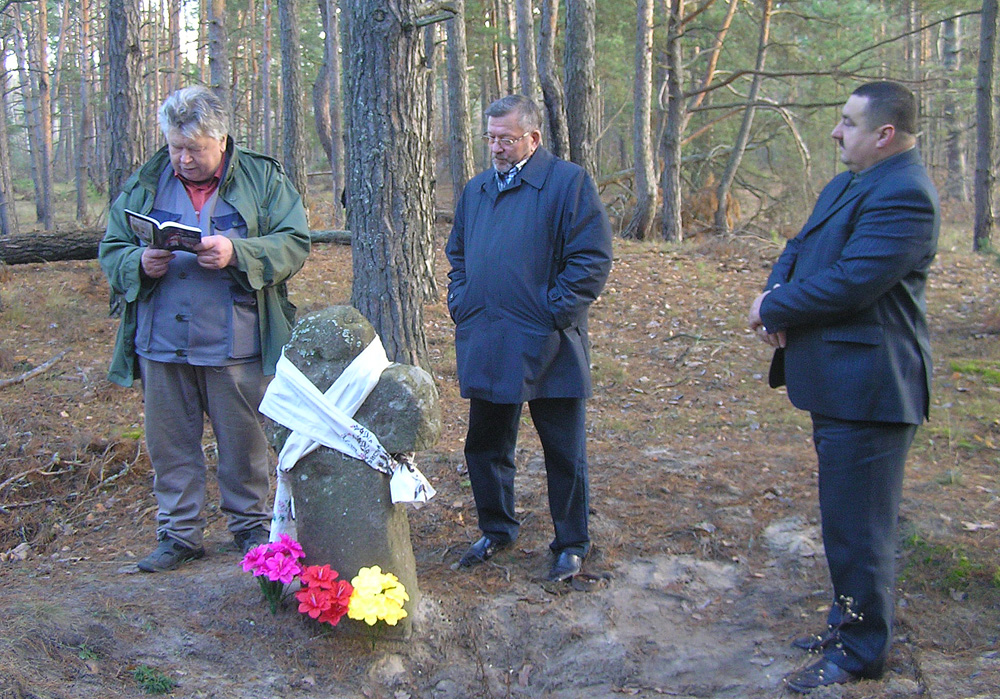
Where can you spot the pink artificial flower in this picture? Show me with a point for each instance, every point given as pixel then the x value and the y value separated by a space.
pixel 253 559
pixel 281 567
pixel 288 545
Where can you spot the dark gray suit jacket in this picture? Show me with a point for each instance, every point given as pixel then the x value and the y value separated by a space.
pixel 848 291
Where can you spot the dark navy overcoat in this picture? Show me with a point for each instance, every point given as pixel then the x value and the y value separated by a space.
pixel 526 264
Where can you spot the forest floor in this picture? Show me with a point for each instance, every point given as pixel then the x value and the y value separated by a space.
pixel 704 515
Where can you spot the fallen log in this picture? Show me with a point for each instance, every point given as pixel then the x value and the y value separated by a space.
pixel 337 237
pixel 50 247
pixel 25 248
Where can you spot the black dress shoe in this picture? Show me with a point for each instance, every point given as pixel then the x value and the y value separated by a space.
pixel 481 551
pixel 565 567
pixel 821 673
pixel 814 643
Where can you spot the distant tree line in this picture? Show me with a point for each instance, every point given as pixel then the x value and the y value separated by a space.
pixel 693 115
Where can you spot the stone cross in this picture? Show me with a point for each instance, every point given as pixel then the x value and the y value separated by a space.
pixel 343 511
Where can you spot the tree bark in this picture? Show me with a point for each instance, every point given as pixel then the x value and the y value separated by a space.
pixel 85 138
pixel 581 85
pixel 722 223
pixel 645 176
pixel 321 86
pixel 218 51
pixel 552 89
pixel 265 79
pixel 528 70
pixel 30 112
pixel 123 101
pixel 293 140
pixel 955 185
pixel 389 197
pixel 459 131
pixel 337 115
pixel 8 217
pixel 670 178
pixel 983 225
pixel 174 51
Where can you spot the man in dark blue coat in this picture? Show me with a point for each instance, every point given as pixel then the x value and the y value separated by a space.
pixel 845 308
pixel 530 250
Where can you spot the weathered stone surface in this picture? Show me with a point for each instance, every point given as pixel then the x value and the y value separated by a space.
pixel 344 513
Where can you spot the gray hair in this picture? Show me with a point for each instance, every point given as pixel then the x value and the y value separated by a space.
pixel 529 115
pixel 193 112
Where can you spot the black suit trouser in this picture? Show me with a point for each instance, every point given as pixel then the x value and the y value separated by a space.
pixel 860 486
pixel 489 453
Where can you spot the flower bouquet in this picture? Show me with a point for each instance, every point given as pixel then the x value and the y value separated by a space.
pixel 371 596
pixel 275 565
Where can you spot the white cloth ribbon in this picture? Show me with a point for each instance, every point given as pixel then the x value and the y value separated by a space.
pixel 326 419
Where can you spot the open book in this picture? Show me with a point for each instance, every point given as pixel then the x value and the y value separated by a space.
pixel 168 235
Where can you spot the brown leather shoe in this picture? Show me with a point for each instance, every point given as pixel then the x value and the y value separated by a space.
pixel 821 673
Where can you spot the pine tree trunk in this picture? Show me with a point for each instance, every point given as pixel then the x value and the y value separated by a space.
pixel 459 131
pixel 336 113
pixel 645 177
pixel 321 87
pixel 526 49
pixel 293 132
pixel 123 101
pixel 552 89
pixel 265 80
pixel 85 139
pixel 722 223
pixel 670 178
pixel 218 51
pixel 8 217
pixel 389 198
pixel 983 225
pixel 581 85
pixel 955 186
pixel 30 110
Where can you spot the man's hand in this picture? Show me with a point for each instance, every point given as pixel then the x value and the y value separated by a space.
pixel 155 262
pixel 215 252
pixel 757 325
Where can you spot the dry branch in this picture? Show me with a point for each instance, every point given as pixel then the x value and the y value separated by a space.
pixel 4 383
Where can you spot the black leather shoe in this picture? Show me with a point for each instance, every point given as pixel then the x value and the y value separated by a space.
pixel 814 643
pixel 565 567
pixel 251 539
pixel 169 554
pixel 481 551
pixel 821 673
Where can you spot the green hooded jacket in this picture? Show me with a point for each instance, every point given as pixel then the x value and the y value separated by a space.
pixel 275 248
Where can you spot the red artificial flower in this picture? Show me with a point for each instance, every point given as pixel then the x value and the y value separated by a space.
pixel 339 596
pixel 314 601
pixel 318 576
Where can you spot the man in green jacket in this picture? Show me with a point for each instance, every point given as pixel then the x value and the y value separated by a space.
pixel 203 327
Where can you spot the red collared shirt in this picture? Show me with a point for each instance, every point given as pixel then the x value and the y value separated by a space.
pixel 199 192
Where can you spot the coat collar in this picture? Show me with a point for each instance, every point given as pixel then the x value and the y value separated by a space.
pixel 534 173
pixel 851 186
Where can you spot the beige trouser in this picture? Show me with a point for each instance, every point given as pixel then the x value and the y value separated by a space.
pixel 177 397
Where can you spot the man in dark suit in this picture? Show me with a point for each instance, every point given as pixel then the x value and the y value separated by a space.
pixel 845 308
pixel 530 250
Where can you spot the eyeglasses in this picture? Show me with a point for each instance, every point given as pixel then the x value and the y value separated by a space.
pixel 503 140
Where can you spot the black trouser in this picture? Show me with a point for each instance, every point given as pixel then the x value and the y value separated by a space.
pixel 860 486
pixel 489 453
